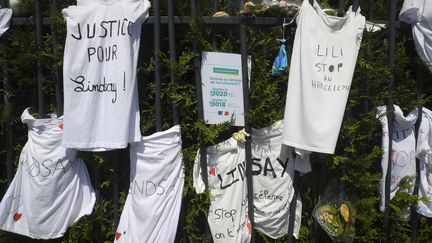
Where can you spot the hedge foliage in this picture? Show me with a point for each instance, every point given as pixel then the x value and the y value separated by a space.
pixel 358 153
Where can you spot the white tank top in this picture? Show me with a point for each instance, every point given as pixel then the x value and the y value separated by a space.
pixel 323 60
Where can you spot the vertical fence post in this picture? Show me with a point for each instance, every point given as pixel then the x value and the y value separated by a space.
pixel 198 88
pixel 38 18
pixel 8 125
pixel 371 9
pixel 115 158
pixel 157 44
pixel 230 7
pixel 57 71
pixel 215 5
pixel 7 110
pixel 341 8
pixel 215 9
pixel 390 114
pixel 414 215
pixel 248 143
pixel 172 51
pixel 293 206
pixel 356 5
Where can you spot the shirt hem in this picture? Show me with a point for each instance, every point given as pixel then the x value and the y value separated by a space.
pixel 309 148
pixel 27 233
pixel 98 147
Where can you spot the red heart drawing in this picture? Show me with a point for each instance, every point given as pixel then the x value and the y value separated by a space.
pixel 212 171
pixel 17 216
pixel 118 235
pixel 61 126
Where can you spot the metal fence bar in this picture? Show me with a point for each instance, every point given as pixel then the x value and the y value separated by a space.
pixel 38 18
pixel 215 6
pixel 247 127
pixel 215 9
pixel 157 44
pixel 293 206
pixel 4 3
pixel 230 7
pixel 115 160
pixel 371 9
pixel 356 5
pixel 184 20
pixel 7 125
pixel 172 50
pixel 7 110
pixel 57 71
pixel 341 8
pixel 390 114
pixel 198 87
pixel 97 189
pixel 414 214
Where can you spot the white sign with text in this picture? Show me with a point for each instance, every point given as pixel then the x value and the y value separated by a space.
pixel 222 87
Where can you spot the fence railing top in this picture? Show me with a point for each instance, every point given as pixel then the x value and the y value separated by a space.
pixel 235 20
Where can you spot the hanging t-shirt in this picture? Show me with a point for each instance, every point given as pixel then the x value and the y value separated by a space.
pixel 152 208
pixel 228 213
pixel 5 16
pixel 99 73
pixel 403 149
pixel 424 154
pixel 418 13
pixel 322 65
pixel 51 189
pixel 272 169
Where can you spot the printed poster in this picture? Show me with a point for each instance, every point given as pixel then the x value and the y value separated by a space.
pixel 222 87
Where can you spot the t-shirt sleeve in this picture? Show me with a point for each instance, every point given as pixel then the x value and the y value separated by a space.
pixel 139 10
pixel 410 11
pixel 424 140
pixel 70 14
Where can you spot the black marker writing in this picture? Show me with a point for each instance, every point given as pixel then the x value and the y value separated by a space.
pixel 102 53
pixel 104 29
pixel 102 87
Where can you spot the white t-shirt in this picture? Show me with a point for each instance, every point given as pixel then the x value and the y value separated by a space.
pixel 323 61
pixel 273 170
pixel 228 213
pixel 403 149
pixel 152 208
pixel 404 154
pixel 418 13
pixel 51 189
pixel 99 73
